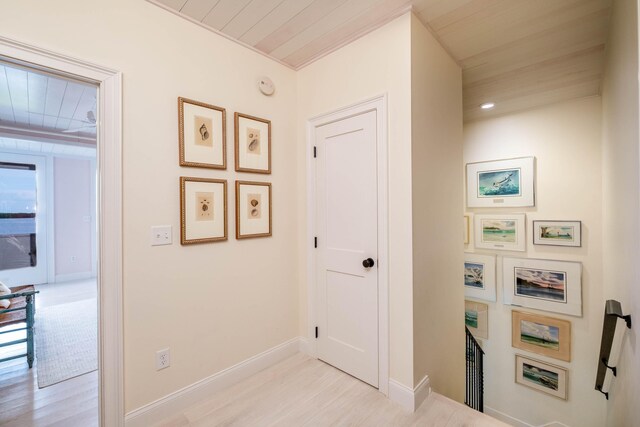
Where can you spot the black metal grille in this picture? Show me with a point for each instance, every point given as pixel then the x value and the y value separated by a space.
pixel 475 377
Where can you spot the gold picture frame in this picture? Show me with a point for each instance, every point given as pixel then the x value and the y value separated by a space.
pixel 203 210
pixel 252 144
pixel 542 335
pixel 253 209
pixel 202 134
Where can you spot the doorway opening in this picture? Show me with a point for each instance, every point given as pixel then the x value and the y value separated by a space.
pixel 48 244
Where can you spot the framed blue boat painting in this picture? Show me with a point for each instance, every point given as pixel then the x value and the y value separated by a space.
pixel 501 183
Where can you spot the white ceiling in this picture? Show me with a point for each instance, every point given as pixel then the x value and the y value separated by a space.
pixel 39 147
pixel 43 106
pixel 517 53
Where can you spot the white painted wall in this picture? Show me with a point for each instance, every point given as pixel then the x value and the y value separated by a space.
pixel 378 63
pixel 213 305
pixel 621 202
pixel 436 154
pixel 73 207
pixel 566 141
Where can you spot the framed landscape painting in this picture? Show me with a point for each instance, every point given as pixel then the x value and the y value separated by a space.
pixel 203 210
pixel 557 233
pixel 252 144
pixel 501 183
pixel 480 276
pixel 549 379
pixel 501 232
pixel 476 318
pixel 547 285
pixel 202 134
pixel 541 334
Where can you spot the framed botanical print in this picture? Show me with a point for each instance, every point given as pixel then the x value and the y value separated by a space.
pixel 557 233
pixel 501 183
pixel 202 134
pixel 540 284
pixel 543 335
pixel 203 210
pixel 252 144
pixel 480 276
pixel 253 209
pixel 549 379
pixel 501 232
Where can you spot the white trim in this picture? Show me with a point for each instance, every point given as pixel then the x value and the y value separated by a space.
pixel 410 399
pixel 73 277
pixel 378 104
pixel 304 346
pixel 176 402
pixel 111 392
pixel 505 418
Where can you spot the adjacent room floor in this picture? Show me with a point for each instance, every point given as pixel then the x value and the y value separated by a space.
pixel 302 391
pixel 70 403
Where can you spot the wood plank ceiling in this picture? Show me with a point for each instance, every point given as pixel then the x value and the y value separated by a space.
pixel 43 107
pixel 519 54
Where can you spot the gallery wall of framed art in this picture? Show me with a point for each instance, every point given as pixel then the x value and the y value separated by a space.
pixel 202 142
pixel 546 310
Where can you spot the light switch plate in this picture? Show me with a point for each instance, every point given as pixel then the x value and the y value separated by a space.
pixel 161 235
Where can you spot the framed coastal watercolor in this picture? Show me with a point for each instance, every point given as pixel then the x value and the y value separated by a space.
pixel 202 134
pixel 466 229
pixel 543 335
pixel 501 232
pixel 203 210
pixel 557 233
pixel 501 183
pixel 476 319
pixel 480 276
pixel 549 379
pixel 252 144
pixel 543 285
pixel 253 209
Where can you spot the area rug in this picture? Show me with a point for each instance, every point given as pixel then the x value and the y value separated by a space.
pixel 66 341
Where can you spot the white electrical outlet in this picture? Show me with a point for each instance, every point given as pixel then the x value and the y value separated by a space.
pixel 163 359
pixel 161 235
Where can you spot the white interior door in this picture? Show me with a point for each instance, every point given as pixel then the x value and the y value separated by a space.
pixel 23 235
pixel 347 227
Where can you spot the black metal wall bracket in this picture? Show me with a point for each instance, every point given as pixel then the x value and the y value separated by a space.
pixel 612 312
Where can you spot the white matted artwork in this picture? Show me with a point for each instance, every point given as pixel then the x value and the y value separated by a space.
pixel 202 134
pixel 541 376
pixel 501 232
pixel 548 285
pixel 557 233
pixel 203 210
pixel 480 276
pixel 253 209
pixel 252 144
pixel 501 183
pixel 467 228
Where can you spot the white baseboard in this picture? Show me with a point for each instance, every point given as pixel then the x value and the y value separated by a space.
pixel 409 398
pixel 305 346
pixel 74 276
pixel 178 401
pixel 505 418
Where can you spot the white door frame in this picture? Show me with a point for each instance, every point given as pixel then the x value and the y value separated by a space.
pixel 109 166
pixel 378 104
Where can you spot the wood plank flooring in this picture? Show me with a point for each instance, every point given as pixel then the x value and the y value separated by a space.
pixel 70 403
pixel 302 391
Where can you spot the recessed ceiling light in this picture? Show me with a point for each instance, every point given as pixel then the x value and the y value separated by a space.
pixel 487 105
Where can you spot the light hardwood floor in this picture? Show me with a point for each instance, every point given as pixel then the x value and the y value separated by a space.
pixel 70 403
pixel 302 391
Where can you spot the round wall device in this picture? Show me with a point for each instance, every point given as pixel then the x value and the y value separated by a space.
pixel 266 86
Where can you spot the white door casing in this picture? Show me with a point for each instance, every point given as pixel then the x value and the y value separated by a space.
pixel 346 209
pixel 339 305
